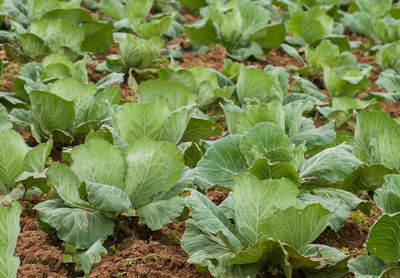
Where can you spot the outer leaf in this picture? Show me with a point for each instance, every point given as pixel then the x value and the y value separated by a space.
pixel 221 163
pixel 107 197
pixel 375 8
pixel 50 112
pixel 98 37
pixel 201 245
pixel 239 120
pixel 366 177
pixel 384 238
pixel 341 212
pixel 78 227
pixel 209 217
pixel 255 83
pixel 161 212
pixel 9 220
pixel 200 128
pixel 369 125
pixel 263 170
pixel 266 140
pixel 5 123
pixel 81 94
pixel 151 167
pixel 202 33
pixel 66 184
pixel 312 25
pixel 139 120
pixel 85 260
pixel 367 267
pixel 12 152
pixel 177 123
pixel 332 164
pixel 94 160
pixel 297 227
pixel 35 159
pixel 388 197
pixel 254 201
pixel 269 251
pixel 172 93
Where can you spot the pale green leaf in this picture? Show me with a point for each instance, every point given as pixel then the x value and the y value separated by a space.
pixel 297 227
pixel 9 220
pixel 384 238
pixel 107 197
pixel 161 212
pixel 78 227
pixel 254 201
pixel 221 163
pixel 100 162
pixel 151 167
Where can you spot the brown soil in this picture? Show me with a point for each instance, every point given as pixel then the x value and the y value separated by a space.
pixel 40 253
pixel 10 72
pixel 392 109
pixel 188 16
pixel 214 59
pixel 276 57
pixel 28 137
pixel 217 196
pixel 158 255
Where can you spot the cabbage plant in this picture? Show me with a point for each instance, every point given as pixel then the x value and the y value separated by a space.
pixel 144 182
pixel 243 27
pixel 260 226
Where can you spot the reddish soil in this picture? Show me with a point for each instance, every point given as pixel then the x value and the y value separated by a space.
pixel 214 59
pixel 278 58
pixel 217 196
pixel 158 256
pixel 40 253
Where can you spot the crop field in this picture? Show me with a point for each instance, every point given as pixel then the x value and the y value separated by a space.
pixel 200 138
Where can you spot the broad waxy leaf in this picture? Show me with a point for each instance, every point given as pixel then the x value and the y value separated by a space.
pixel 66 183
pixel 78 227
pixel 340 210
pixel 388 56
pixel 107 197
pixel 9 220
pixel 384 238
pixel 332 164
pixel 221 163
pixel 312 25
pixel 12 152
pixel 35 158
pixel 388 197
pixel 151 167
pixel 85 260
pixel 161 212
pixel 370 125
pixel 283 225
pixel 51 112
pixel 263 170
pixel 266 140
pixel 367 267
pixel 173 94
pixel 375 8
pixel 254 201
pixel 201 245
pixel 98 161
pixel 5 123
pixel 239 120
pixel 210 218
pixel 256 83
